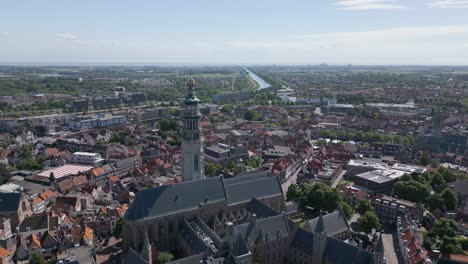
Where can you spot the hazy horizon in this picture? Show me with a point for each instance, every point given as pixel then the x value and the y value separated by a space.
pixel 194 64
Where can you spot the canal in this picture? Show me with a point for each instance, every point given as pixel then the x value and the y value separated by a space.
pixel 261 83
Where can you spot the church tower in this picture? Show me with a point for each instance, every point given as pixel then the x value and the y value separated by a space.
pixel 192 157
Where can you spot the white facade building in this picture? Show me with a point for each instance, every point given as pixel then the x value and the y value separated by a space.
pixel 87 158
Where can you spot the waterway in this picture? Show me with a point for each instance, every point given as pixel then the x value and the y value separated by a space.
pixel 262 84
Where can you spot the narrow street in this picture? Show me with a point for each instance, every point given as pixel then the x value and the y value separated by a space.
pixel 338 179
pixel 291 180
pixel 389 249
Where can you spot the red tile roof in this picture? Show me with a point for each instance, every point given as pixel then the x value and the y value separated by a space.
pixel 4 253
pixel 48 194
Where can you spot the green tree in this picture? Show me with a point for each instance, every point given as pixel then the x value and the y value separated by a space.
pixel 449 175
pixel 26 151
pixel 165 257
pixel 29 164
pixel 428 243
pixel 167 125
pixel 284 122
pixel 210 169
pixel 4 174
pixel 348 211
pixel 320 196
pixel 425 159
pixel 252 115
pixel 411 191
pixel 437 179
pixel 435 201
pixel 368 221
pixel 449 245
pixel 463 242
pixel 363 206
pixel 444 227
pixel 450 199
pixel 293 194
pixel 233 165
pixel 118 228
pixel 227 108
pixel 37 258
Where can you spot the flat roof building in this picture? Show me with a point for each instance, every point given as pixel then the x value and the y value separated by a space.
pixel 65 171
pixel 378 181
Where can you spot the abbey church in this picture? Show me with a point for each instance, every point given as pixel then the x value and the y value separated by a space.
pixel 227 220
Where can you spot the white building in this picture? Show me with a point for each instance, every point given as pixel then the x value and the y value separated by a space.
pixel 87 158
pixel 288 99
pixel 77 123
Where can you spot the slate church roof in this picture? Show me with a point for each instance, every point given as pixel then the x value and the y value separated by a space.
pixel 134 258
pixel 260 209
pixel 242 189
pixel 175 198
pixel 332 223
pixel 271 228
pixel 190 195
pixel 348 254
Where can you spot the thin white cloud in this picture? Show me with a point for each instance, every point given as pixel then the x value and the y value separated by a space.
pixel 400 45
pixel 449 3
pixel 66 36
pixel 404 45
pixel 397 33
pixel 353 5
pixel 371 37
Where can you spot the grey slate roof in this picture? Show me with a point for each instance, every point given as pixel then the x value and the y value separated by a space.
pixel 246 234
pixel 250 176
pixel 171 199
pixel 35 222
pixel 348 254
pixel 336 251
pixel 134 258
pixel 193 240
pixel 180 197
pixel 332 223
pixel 460 187
pixel 244 188
pixel 261 209
pixel 239 247
pixel 9 201
pixel 270 228
pixel 303 241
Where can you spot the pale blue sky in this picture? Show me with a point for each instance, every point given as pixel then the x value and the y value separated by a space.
pixel 235 31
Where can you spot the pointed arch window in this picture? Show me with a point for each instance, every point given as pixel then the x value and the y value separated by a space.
pixel 195 162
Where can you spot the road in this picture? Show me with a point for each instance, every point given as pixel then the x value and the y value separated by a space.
pixel 338 179
pixel 290 181
pixel 389 249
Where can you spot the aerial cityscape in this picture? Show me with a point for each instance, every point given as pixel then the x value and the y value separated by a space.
pixel 234 132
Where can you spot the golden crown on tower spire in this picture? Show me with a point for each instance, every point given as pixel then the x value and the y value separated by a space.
pixel 191 82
